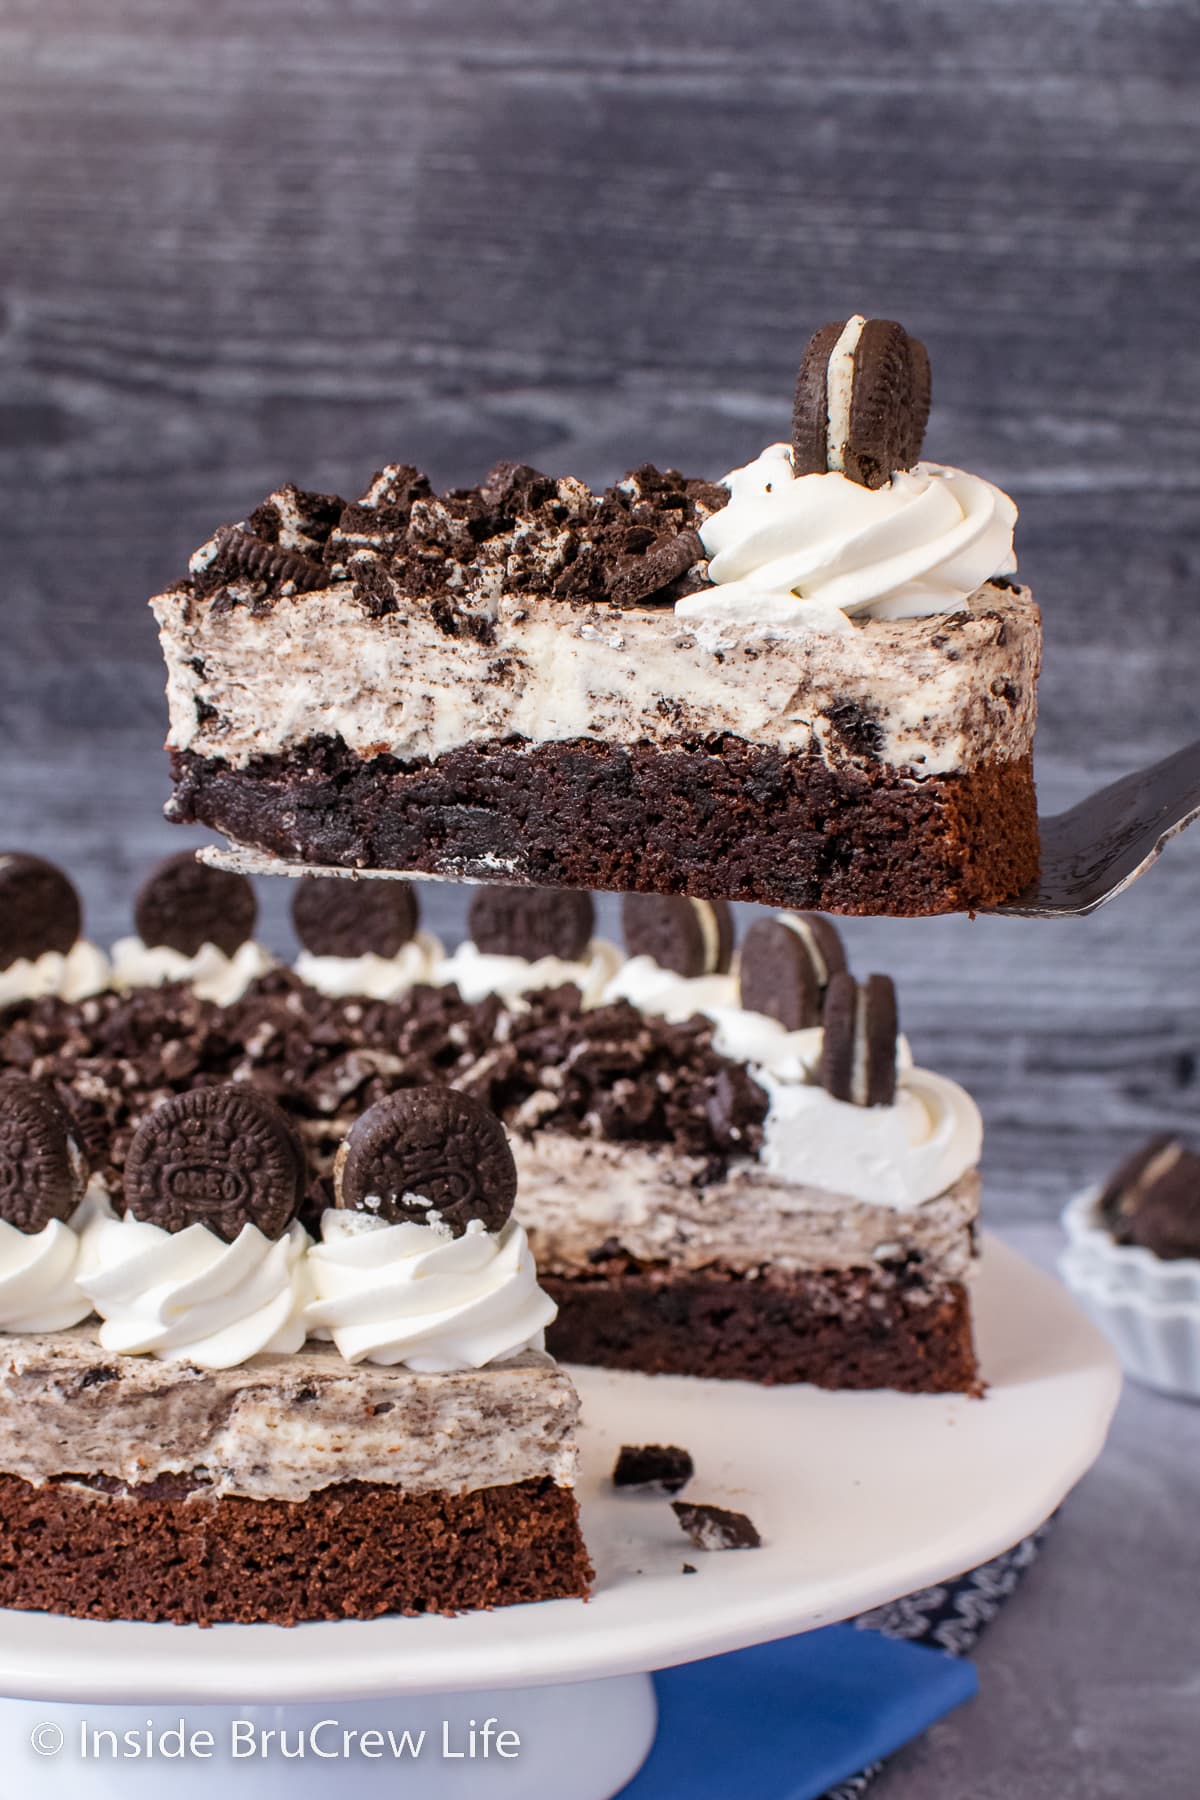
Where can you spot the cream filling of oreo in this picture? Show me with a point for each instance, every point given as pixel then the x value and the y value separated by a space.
pixel 808 937
pixel 839 390
pixel 860 1079
pixel 710 934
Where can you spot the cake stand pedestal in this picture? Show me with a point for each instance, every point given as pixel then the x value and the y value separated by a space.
pixel 859 1498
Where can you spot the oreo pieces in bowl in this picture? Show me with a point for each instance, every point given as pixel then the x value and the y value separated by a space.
pixel 862 401
pixel 531 922
pixel 183 905
pixel 688 937
pixel 785 966
pixel 39 909
pixel 1153 1200
pixel 428 1152
pixel 858 1051
pixel 43 1173
pixel 338 917
pixel 223 1157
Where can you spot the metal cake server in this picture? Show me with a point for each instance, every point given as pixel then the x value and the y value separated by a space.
pixel 1095 850
pixel 1090 854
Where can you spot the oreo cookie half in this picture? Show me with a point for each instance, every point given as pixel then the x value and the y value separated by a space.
pixel 183 905
pixel 428 1151
pixel 531 922
pixel 688 937
pixel 43 1172
pixel 858 1051
pixel 335 917
pixel 786 964
pixel 39 909
pixel 217 1156
pixel 1153 1200
pixel 862 401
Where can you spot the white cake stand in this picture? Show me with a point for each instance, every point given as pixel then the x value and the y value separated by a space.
pixel 859 1498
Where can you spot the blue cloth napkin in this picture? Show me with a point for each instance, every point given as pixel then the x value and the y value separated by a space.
pixel 789 1720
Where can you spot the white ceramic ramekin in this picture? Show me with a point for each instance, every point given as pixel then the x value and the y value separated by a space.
pixel 1149 1308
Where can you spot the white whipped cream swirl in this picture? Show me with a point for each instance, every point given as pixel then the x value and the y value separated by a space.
pixel 813 551
pixel 188 1296
pixel 476 974
pixel 211 974
pixel 899 1156
pixel 39 1290
pixel 652 989
pixel 374 977
pixel 414 1294
pixel 82 972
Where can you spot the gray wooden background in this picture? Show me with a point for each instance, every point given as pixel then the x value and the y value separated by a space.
pixel 296 238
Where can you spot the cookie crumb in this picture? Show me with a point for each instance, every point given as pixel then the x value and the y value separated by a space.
pixel 653 1468
pixel 715 1528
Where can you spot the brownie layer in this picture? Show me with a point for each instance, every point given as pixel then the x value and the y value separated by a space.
pixel 353 1550
pixel 837 1328
pixel 717 819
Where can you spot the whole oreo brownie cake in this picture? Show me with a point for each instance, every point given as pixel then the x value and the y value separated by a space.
pixel 766 1190
pixel 251 1370
pixel 811 684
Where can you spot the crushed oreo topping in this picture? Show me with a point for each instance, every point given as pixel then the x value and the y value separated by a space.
pixel 519 531
pixel 605 1072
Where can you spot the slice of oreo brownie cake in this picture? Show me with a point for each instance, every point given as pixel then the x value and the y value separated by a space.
pixel 206 1415
pixel 810 684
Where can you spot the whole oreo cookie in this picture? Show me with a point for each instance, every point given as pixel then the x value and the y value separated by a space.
pixel 335 917
pixel 785 966
pixel 862 401
pixel 39 909
pixel 688 937
pixel 43 1173
pixel 424 1151
pixel 218 1156
pixel 531 922
pixel 183 905
pixel 858 1050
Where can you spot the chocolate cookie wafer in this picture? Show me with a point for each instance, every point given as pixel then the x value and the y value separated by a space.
pixel 785 965
pixel 688 937
pixel 426 1155
pixel 531 922
pixel 43 1173
pixel 39 909
pixel 183 905
pixel 223 1157
pixel 354 918
pixel 858 1050
pixel 862 401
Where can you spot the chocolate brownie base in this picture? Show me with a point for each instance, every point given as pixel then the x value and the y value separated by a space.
pixel 714 820
pixel 347 1552
pixel 837 1328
